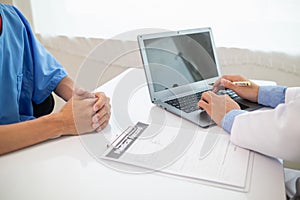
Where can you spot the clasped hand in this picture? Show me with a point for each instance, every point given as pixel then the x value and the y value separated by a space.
pixel 86 112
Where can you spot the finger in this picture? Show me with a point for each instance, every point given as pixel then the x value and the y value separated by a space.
pixel 207 96
pixel 99 118
pixel 95 118
pixel 100 128
pixel 79 91
pixel 83 94
pixel 101 113
pixel 101 102
pixel 228 84
pixel 202 104
pixel 217 86
pixel 217 83
pixel 99 94
pixel 95 125
pixel 102 122
pixel 103 125
pixel 83 105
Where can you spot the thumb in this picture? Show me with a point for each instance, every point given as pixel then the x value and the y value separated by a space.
pixel 83 94
pixel 227 84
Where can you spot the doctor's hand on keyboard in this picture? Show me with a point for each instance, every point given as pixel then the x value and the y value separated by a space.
pixel 217 106
pixel 246 91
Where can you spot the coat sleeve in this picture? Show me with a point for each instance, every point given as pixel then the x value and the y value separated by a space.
pixel 273 132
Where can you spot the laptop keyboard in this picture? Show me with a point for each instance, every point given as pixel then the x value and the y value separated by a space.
pixel 189 103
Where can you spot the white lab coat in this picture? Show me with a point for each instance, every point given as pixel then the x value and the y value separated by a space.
pixel 274 132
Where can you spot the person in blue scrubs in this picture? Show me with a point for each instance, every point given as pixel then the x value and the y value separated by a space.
pixel 28 75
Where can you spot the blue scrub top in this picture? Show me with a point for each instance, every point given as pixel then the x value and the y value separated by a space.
pixel 28 72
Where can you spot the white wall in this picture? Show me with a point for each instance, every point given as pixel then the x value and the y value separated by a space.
pixel 268 25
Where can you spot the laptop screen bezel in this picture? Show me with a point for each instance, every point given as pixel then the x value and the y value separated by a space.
pixel 182 90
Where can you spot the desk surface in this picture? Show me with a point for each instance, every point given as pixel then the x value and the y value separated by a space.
pixel 66 168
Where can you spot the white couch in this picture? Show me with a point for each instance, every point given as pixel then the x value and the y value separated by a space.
pixel 108 58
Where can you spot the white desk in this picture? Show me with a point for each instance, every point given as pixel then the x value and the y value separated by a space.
pixel 66 168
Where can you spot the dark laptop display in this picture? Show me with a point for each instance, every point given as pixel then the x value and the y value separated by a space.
pixel 174 53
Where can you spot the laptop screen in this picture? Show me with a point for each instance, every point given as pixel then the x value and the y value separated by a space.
pixel 180 59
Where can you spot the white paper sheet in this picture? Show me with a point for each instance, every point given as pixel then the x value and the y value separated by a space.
pixel 197 155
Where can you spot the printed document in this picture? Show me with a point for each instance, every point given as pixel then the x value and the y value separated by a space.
pixel 196 155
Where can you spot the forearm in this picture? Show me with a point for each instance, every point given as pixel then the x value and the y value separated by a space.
pixel 20 135
pixel 271 96
pixel 65 88
pixel 273 132
pixel 228 119
pixel 267 95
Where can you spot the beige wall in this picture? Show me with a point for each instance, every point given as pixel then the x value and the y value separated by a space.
pixel 24 6
pixel 6 1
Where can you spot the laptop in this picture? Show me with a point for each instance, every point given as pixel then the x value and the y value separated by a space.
pixel 180 66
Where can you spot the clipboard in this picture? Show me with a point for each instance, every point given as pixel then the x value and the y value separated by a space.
pixel 225 165
pixel 119 146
